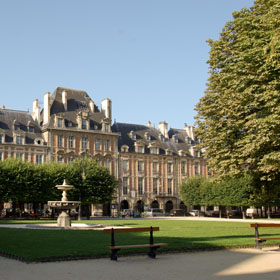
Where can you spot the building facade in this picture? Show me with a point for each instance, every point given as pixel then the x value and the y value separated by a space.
pixel 150 163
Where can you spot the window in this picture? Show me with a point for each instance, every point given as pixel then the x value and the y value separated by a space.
pixel 169 186
pixel 16 127
pixel 196 153
pixel 140 166
pixel 155 167
pixel 59 140
pixel 31 129
pixel 124 149
pixel 19 156
pixel 107 145
pixel 1 155
pixel 148 136
pixel 19 140
pixel 107 163
pixel 125 165
pixel 154 150
pixel 71 141
pixel 106 128
pixel 97 144
pixel 59 122
pixel 196 168
pixel 169 167
pixel 169 153
pixel 84 143
pixel 59 159
pixel 140 149
pixel 39 159
pixel 84 124
pixel 155 185
pixel 125 185
pixel 1 139
pixel 140 186
pixel 183 167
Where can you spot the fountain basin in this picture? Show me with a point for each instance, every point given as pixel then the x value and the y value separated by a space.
pixel 64 204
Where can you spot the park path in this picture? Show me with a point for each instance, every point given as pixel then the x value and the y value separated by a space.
pixel 237 264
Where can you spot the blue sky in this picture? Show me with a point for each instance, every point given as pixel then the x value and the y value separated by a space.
pixel 148 56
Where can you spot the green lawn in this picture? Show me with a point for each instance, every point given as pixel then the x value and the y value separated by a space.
pixel 40 244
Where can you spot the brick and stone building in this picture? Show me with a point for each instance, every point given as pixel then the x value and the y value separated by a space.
pixel 149 162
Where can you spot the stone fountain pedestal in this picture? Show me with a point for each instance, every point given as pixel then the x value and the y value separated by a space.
pixel 64 220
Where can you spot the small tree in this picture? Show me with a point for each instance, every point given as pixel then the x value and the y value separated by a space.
pixel 190 191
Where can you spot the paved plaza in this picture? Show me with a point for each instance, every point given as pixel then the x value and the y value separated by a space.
pixel 225 264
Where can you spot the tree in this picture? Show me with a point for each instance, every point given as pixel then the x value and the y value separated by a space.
pixel 190 190
pixel 235 191
pixel 238 117
pixel 97 186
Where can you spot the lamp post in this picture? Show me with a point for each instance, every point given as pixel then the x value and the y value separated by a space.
pixel 80 196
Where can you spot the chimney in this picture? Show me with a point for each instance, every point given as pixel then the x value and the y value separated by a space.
pixel 190 131
pixel 3 107
pixel 163 128
pixel 149 124
pixel 106 108
pixel 91 106
pixel 47 108
pixel 36 111
pixel 64 99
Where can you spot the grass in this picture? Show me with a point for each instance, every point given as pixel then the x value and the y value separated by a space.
pixel 43 244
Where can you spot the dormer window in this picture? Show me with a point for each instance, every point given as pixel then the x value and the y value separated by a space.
pixel 31 129
pixel 175 138
pixel 161 138
pixel 59 123
pixel 182 153
pixel 38 141
pixel 147 136
pixel 168 152
pixel 106 127
pixel 154 150
pixel 84 124
pixel 196 153
pixel 16 127
pixel 1 138
pixel 140 149
pixel 132 135
pixel 124 149
pixel 19 140
pixel 188 140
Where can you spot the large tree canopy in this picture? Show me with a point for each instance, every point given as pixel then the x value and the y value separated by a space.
pixel 238 118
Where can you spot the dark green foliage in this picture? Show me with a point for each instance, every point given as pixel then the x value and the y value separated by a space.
pixel 24 182
pixel 231 191
pixel 238 117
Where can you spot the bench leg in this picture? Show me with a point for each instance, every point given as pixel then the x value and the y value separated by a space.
pixel 114 256
pixel 152 252
pixel 259 244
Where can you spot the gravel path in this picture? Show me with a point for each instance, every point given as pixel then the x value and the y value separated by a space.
pixel 226 264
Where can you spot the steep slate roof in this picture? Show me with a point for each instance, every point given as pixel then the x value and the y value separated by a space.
pixel 22 118
pixel 77 101
pixel 125 129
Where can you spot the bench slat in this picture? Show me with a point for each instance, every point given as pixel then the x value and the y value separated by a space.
pixel 265 225
pixel 267 238
pixel 143 229
pixel 137 246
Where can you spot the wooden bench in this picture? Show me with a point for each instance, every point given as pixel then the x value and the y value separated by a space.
pixel 115 248
pixel 260 240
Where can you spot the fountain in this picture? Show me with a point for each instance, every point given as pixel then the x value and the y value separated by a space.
pixel 64 219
